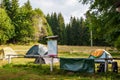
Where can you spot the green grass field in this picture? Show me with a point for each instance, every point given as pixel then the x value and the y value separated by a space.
pixel 25 69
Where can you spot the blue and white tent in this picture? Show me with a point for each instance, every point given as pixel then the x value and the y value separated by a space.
pixel 37 50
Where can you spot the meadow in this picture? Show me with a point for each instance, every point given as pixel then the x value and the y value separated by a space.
pixel 25 69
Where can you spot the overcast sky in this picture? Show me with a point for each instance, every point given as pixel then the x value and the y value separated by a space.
pixel 68 8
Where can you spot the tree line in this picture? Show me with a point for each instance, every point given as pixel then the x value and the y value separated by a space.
pixel 24 24
pixel 76 32
pixel 73 33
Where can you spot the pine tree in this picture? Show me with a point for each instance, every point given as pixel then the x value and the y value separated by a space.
pixel 6 4
pixel 28 5
pixel 14 9
pixel 61 28
pixel 68 38
pixel 77 33
pixel 22 20
pixel 56 22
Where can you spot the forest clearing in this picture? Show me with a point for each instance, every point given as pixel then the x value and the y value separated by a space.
pixel 79 35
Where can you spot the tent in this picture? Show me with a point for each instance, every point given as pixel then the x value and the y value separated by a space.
pixel 7 51
pixel 100 53
pixel 37 50
pixel 40 50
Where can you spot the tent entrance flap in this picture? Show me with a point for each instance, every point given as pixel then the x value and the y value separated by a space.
pixel 77 64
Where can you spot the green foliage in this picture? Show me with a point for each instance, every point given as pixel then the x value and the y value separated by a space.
pixel 74 33
pixel 29 25
pixel 57 25
pixel 23 25
pixel 6 4
pixel 28 5
pixel 103 18
pixel 6 28
pixel 77 32
pixel 117 43
pixel 53 22
pixel 61 29
pixel 14 9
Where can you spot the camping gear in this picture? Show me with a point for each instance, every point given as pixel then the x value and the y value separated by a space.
pixel 39 50
pixel 101 67
pixel 77 64
pixel 7 51
pixel 100 53
pixel 114 67
pixel 39 60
